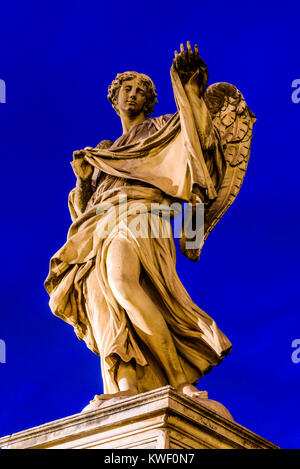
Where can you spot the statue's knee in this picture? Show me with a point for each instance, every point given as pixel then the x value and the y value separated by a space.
pixel 123 270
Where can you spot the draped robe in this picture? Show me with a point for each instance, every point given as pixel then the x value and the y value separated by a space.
pixel 171 158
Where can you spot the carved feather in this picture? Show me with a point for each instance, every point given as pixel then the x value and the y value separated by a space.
pixel 234 121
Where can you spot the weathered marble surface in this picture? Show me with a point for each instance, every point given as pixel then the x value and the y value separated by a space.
pixel 158 419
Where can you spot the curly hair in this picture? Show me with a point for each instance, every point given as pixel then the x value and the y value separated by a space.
pixel 114 88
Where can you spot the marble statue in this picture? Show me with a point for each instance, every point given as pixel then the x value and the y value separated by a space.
pixel 119 289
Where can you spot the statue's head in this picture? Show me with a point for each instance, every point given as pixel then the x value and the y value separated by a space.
pixel 132 93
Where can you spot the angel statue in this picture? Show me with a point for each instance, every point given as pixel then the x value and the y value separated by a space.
pixel 119 290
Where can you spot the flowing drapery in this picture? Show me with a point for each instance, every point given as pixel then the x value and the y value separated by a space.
pixel 168 164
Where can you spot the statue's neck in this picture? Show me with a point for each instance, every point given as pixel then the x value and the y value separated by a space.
pixel 128 122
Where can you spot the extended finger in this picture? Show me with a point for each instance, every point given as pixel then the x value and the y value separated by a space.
pixel 177 60
pixel 189 51
pixel 183 56
pixel 175 57
pixel 199 61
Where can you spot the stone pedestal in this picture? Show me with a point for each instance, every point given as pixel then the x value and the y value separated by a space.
pixel 159 419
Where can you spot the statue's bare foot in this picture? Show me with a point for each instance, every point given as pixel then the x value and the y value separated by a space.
pixel 105 397
pixel 192 391
pixel 99 399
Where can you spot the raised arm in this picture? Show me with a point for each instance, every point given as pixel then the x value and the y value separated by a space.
pixel 193 73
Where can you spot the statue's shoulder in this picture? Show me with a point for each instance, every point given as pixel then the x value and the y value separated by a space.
pixel 160 121
pixel 167 117
pixel 104 144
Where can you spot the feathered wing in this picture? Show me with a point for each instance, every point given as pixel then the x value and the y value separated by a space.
pixel 234 122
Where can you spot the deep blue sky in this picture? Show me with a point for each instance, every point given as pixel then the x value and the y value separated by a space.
pixel 57 59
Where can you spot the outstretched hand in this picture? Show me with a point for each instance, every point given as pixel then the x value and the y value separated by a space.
pixel 190 67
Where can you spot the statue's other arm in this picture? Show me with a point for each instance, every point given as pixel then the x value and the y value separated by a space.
pixel 82 192
pixel 86 180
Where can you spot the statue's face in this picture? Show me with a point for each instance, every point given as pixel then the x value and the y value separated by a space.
pixel 132 97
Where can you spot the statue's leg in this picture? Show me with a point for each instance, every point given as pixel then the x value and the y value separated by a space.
pixel 126 378
pixel 123 271
pixel 99 319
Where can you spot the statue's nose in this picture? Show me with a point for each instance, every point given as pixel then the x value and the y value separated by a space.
pixel 133 94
